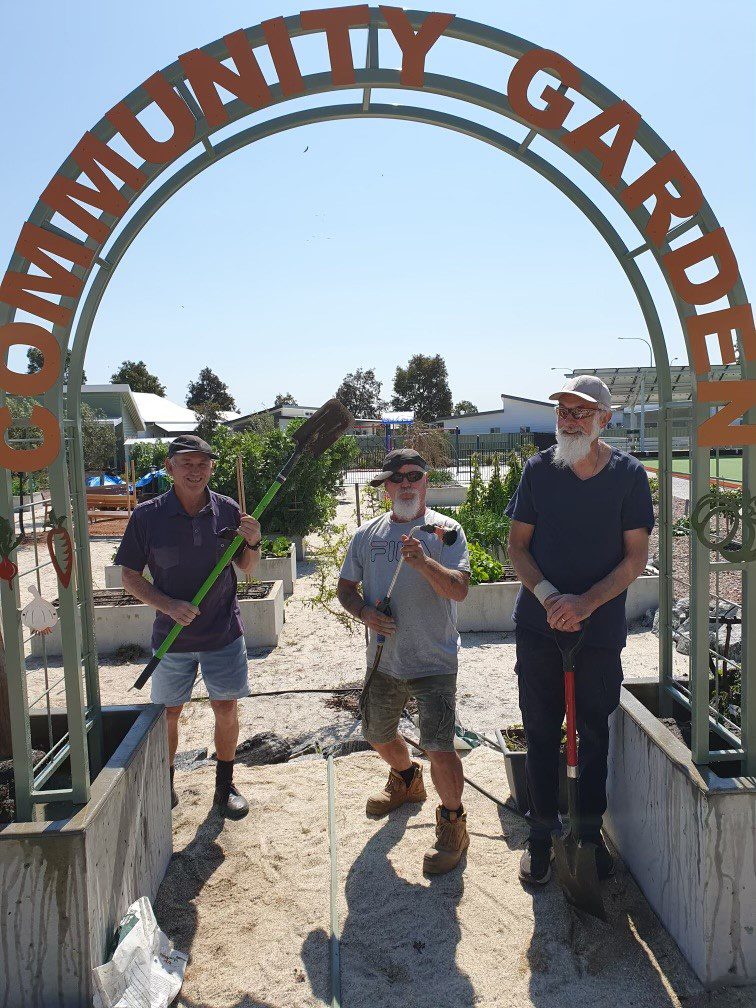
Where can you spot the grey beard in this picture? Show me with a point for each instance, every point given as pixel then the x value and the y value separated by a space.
pixel 573 448
pixel 406 510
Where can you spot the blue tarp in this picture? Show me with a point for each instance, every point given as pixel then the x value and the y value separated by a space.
pixel 105 480
pixel 150 477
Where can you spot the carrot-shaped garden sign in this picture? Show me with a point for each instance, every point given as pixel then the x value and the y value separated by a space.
pixel 60 549
pixel 8 569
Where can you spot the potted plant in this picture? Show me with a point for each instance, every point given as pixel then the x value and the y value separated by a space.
pixel 515 751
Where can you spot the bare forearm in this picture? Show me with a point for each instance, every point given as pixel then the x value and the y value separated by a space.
pixel 616 581
pixel 141 589
pixel 450 584
pixel 350 599
pixel 526 568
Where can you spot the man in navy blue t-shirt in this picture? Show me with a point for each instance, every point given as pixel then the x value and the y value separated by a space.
pixel 581 519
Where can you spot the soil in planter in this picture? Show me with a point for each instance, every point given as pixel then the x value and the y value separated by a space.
pixel 514 736
pixel 7 787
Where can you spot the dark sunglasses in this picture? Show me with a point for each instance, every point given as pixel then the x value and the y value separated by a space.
pixel 411 477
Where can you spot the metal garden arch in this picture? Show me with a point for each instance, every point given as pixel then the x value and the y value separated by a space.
pixel 109 235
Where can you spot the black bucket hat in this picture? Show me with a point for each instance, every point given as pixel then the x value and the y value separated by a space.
pixel 395 460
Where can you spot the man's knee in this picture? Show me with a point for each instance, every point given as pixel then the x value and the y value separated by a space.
pixel 444 760
pixel 224 710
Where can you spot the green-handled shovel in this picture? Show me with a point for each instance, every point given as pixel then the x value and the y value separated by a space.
pixel 315 436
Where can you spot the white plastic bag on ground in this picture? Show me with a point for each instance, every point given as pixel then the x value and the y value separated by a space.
pixel 145 971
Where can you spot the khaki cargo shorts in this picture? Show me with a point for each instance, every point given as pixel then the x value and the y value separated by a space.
pixel 383 699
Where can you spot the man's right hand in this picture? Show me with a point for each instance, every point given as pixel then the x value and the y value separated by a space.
pixel 378 621
pixel 181 612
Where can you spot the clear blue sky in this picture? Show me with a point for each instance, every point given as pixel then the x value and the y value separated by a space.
pixel 284 269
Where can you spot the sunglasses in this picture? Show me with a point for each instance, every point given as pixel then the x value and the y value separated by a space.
pixel 581 413
pixel 411 477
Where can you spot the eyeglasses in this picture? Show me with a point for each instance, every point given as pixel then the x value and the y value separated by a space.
pixel 411 477
pixel 581 413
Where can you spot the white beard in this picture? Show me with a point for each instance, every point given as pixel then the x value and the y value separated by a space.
pixel 405 510
pixel 571 449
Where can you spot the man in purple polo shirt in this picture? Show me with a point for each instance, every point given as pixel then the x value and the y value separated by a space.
pixel 180 536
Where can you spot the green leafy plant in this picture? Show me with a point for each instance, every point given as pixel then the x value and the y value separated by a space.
pixel 440 477
pixel 375 500
pixel 483 567
pixel 147 457
pixel 306 502
pixel 496 498
pixel 278 547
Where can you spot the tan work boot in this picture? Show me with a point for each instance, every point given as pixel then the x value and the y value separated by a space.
pixel 451 843
pixel 396 793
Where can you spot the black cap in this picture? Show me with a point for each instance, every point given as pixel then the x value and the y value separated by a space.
pixel 395 460
pixel 190 443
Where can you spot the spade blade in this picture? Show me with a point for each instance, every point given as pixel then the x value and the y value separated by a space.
pixel 323 428
pixel 576 871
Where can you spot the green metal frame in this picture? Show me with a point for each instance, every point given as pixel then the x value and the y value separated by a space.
pixel 76 602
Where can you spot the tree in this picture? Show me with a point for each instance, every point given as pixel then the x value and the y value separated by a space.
pixel 208 419
pixel 98 440
pixel 464 407
pixel 360 392
pixel 209 390
pixel 423 386
pixel 284 400
pixel 137 377
pixel 35 359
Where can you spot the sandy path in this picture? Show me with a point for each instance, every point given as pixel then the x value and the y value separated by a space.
pixel 250 900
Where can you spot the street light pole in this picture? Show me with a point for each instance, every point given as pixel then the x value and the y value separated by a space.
pixel 639 339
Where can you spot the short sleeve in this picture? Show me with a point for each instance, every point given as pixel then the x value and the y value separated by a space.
pixel 457 556
pixel 352 569
pixel 638 507
pixel 133 551
pixel 521 506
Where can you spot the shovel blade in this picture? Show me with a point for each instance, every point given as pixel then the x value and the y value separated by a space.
pixel 576 871
pixel 323 428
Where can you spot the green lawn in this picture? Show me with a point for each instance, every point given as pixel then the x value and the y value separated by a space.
pixel 730 469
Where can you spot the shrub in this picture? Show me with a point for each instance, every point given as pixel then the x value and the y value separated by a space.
pixel 308 498
pixel 147 457
pixel 440 477
pixel 483 567
pixel 496 497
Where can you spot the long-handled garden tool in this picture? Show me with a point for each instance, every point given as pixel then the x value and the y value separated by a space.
pixel 315 436
pixel 448 537
pixel 575 859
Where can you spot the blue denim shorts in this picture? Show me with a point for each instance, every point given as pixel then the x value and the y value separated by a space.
pixel 225 673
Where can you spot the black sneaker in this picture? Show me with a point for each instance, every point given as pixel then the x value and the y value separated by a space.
pixel 535 863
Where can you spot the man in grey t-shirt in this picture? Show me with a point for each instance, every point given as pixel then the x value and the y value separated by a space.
pixel 419 656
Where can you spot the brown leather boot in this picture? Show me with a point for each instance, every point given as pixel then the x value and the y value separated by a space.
pixel 451 843
pixel 396 793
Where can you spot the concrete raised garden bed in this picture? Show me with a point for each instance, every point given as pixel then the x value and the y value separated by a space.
pixel 121 619
pixel 687 835
pixel 68 880
pixel 488 607
pixel 449 495
pixel 284 569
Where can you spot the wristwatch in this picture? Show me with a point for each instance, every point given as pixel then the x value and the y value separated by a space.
pixel 255 547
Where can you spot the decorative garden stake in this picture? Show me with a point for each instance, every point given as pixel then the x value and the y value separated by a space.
pixel 58 537
pixel 734 516
pixel 8 569
pixel 40 615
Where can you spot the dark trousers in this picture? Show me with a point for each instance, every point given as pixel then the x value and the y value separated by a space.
pixel 540 678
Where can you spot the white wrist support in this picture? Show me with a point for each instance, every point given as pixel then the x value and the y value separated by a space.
pixel 543 589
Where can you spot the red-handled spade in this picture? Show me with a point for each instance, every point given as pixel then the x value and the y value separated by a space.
pixel 575 859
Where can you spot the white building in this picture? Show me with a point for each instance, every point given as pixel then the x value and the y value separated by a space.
pixel 517 415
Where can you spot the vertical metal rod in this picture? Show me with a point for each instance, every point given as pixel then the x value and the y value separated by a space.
pixel 643 413
pixel 50 739
pixel 335 927
pixel 357 503
pixel 70 629
pixel 748 603
pixel 80 524
pixel 666 584
pixel 699 608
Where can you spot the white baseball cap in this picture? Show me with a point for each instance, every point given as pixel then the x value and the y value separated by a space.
pixel 587 387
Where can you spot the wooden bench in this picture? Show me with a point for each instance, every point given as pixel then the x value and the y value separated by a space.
pixel 108 505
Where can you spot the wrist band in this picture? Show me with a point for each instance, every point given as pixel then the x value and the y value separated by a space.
pixel 543 589
pixel 257 545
